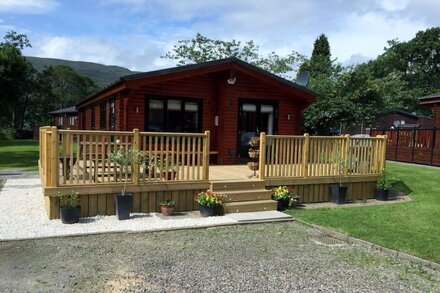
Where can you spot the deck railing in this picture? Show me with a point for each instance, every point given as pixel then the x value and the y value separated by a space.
pixel 317 156
pixel 78 157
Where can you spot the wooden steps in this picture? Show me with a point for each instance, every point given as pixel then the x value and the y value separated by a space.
pixel 244 196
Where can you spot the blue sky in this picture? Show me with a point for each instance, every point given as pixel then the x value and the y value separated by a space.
pixel 135 33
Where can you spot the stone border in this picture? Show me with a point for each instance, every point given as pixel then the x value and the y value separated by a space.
pixel 209 226
pixel 391 252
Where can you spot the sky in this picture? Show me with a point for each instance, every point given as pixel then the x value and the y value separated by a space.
pixel 136 33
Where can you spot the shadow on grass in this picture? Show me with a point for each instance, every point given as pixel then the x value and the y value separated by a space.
pixel 402 187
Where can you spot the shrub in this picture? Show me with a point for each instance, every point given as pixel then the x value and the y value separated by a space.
pixel 385 181
pixel 70 200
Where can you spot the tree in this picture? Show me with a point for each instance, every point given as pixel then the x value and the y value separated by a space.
pixel 16 81
pixel 320 62
pixel 202 49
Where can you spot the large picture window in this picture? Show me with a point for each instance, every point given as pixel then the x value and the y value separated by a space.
pixel 92 118
pixel 173 114
pixel 102 108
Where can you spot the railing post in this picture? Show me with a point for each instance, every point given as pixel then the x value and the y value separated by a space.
pixel 262 158
pixel 206 155
pixel 54 157
pixel 384 153
pixel 346 153
pixel 135 148
pixel 305 156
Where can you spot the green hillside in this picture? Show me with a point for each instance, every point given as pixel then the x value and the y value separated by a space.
pixel 99 73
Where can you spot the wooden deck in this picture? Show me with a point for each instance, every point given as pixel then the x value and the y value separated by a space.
pixel 230 173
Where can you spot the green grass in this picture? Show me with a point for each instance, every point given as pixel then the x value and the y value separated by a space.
pixel 19 155
pixel 412 227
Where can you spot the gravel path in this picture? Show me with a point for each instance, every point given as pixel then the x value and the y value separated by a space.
pixel 23 216
pixel 271 257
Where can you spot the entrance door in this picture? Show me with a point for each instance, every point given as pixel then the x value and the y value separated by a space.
pixel 254 117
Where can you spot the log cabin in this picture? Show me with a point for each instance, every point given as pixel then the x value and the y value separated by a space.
pixel 433 101
pixel 231 98
pixel 66 118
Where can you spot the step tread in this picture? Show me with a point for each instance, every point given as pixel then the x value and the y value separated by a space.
pixel 250 202
pixel 246 191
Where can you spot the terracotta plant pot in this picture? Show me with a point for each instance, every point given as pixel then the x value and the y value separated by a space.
pixel 254 154
pixel 253 166
pixel 167 210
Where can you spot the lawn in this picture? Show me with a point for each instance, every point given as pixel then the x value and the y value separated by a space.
pixel 19 155
pixel 412 227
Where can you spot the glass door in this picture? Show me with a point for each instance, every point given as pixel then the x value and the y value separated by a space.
pixel 254 117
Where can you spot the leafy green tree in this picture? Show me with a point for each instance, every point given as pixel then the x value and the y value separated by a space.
pixel 16 81
pixel 202 49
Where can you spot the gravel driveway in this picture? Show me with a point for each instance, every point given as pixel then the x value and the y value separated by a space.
pixel 272 257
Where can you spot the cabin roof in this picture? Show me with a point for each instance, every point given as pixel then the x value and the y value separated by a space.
pixel 430 99
pixel 69 110
pixel 200 66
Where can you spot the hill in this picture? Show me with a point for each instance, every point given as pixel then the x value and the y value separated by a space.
pixel 99 73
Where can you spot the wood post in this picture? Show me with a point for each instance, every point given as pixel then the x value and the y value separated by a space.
pixel 206 150
pixel 305 156
pixel 346 154
pixel 135 166
pixel 384 152
pixel 54 157
pixel 262 158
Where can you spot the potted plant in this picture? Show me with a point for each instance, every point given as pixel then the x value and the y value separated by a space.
pixel 383 186
pixel 69 208
pixel 283 197
pixel 339 191
pixel 167 207
pixel 254 153
pixel 254 142
pixel 125 159
pixel 208 202
pixel 167 168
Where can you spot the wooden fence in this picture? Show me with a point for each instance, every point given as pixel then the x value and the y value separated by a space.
pixel 320 156
pixel 76 157
pixel 418 145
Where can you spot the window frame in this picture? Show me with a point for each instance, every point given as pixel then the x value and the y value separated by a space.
pixel 165 100
pixel 112 113
pixel 93 117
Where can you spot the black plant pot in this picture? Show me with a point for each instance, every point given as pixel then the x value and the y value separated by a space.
pixel 70 215
pixel 207 211
pixel 219 210
pixel 338 193
pixel 382 194
pixel 123 205
pixel 283 204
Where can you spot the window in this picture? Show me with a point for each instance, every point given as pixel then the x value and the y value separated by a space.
pixel 92 125
pixel 102 117
pixel 72 120
pixel 173 115
pixel 60 120
pixel 112 116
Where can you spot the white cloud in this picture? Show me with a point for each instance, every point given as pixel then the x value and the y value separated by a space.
pixel 137 52
pixel 27 6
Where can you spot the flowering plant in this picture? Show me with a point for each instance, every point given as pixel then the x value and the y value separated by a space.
pixel 209 199
pixel 282 193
